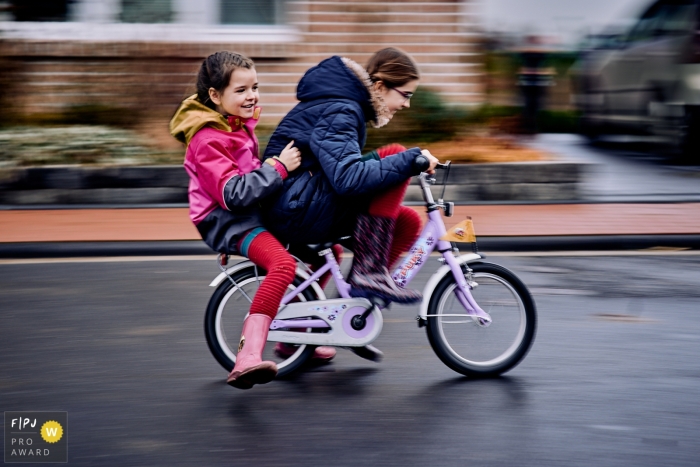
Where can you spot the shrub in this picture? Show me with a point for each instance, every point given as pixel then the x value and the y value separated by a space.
pixel 78 144
pixel 428 119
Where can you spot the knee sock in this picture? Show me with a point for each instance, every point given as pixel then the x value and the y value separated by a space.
pixel 388 204
pixel 267 252
pixel 408 225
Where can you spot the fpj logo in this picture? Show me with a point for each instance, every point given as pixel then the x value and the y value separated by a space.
pixel 36 437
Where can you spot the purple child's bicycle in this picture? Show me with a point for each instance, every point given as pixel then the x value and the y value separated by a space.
pixel 480 318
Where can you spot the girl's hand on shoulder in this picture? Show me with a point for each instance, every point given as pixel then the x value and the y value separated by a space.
pixel 290 157
pixel 433 161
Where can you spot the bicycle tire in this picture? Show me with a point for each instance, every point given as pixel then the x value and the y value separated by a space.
pixel 223 332
pixel 471 348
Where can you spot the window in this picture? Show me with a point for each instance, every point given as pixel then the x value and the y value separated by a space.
pixel 39 10
pixel 667 18
pixel 251 12
pixel 153 11
pixel 215 21
pixel 646 27
pixel 678 19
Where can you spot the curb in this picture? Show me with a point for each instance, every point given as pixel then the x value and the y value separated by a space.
pixel 98 186
pixel 486 245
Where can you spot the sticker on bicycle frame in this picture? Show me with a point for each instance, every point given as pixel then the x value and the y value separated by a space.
pixel 414 259
pixel 331 311
pixel 462 232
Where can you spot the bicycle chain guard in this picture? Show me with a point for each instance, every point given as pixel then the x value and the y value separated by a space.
pixel 333 317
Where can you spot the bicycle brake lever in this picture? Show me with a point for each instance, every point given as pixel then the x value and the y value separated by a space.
pixel 449 209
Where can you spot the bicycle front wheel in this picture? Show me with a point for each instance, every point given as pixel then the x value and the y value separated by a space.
pixel 466 345
pixel 228 308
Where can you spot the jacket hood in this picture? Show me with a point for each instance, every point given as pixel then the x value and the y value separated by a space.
pixel 192 116
pixel 343 78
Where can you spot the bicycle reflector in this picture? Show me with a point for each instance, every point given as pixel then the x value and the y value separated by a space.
pixel 462 232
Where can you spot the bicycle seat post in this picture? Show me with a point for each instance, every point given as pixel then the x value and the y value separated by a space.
pixel 334 268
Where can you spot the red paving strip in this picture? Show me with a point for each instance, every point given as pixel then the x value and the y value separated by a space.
pixel 86 225
pixel 96 225
pixel 582 219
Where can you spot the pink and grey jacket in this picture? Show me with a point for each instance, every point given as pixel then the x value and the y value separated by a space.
pixel 227 179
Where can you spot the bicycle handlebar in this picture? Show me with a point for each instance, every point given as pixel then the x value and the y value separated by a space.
pixel 422 163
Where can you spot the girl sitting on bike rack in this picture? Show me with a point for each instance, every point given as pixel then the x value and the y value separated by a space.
pixel 337 190
pixel 227 183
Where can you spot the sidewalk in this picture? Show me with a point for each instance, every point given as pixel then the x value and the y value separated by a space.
pixel 540 220
pixel 622 173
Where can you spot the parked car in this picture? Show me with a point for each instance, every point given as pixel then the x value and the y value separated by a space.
pixel 647 79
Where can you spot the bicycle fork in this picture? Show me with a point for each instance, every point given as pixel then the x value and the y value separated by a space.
pixel 419 254
pixel 463 291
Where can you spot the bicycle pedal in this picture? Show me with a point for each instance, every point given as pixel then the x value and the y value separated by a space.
pixel 368 352
pixel 379 302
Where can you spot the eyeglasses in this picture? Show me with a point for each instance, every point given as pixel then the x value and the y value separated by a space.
pixel 405 95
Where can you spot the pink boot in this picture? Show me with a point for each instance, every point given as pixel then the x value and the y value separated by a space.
pixel 321 354
pixel 250 369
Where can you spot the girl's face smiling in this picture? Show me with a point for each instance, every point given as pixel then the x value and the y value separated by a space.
pixel 396 98
pixel 240 96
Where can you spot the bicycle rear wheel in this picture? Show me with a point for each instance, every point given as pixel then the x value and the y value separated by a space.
pixel 228 308
pixel 467 346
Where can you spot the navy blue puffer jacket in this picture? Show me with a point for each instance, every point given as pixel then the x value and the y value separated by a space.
pixel 320 200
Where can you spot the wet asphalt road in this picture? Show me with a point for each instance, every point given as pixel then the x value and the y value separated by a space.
pixel 612 379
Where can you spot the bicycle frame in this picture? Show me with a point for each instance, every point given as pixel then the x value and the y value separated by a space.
pixel 307 319
pixel 428 241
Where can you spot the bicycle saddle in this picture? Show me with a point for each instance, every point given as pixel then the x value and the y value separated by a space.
pixel 316 247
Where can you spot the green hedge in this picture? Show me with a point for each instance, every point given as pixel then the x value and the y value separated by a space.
pixel 428 119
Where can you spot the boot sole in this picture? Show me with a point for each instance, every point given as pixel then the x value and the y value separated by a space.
pixel 260 374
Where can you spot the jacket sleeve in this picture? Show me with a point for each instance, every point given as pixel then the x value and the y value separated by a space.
pixel 335 142
pixel 220 177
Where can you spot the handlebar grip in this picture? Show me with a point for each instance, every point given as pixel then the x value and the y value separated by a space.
pixel 421 163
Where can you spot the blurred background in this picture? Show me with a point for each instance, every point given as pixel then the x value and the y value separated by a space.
pixel 119 68
pixel 104 278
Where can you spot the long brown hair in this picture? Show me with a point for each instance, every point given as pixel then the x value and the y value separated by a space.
pixel 216 71
pixel 392 66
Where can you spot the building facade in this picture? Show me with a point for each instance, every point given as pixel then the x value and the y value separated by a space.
pixel 130 54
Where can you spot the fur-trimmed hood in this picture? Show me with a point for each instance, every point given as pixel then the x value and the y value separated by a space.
pixel 340 77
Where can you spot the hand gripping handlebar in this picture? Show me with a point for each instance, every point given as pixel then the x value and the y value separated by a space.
pixel 422 163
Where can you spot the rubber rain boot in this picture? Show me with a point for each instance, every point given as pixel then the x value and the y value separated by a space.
pixel 370 275
pixel 250 369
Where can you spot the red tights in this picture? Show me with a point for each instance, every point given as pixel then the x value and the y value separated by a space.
pixel 268 253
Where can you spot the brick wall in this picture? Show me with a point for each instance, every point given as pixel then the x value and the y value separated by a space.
pixel 154 75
